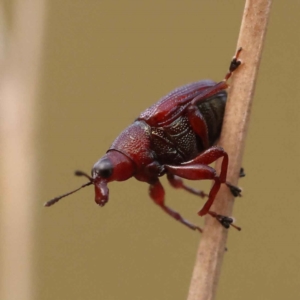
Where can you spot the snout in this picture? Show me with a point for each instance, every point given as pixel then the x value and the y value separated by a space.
pixel 101 193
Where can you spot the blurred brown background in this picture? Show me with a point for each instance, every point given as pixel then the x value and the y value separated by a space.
pixel 103 63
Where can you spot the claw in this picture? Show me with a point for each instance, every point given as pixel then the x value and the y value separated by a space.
pixel 236 191
pixel 242 173
pixel 225 221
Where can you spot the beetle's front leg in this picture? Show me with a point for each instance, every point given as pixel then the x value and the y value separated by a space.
pixel 157 193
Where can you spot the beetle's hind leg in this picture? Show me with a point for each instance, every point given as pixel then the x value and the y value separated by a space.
pixel 157 193
pixel 177 183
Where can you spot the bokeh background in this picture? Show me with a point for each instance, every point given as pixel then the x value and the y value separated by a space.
pixel 103 63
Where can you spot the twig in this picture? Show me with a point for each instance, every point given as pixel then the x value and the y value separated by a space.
pixel 19 66
pixel 213 242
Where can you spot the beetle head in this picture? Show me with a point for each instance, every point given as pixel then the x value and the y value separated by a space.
pixel 113 166
pixel 101 173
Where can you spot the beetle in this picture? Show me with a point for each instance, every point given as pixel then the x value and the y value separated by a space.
pixel 175 137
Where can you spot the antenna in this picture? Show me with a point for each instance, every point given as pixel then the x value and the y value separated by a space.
pixel 77 173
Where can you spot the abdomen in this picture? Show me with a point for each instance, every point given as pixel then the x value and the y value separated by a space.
pixel 212 111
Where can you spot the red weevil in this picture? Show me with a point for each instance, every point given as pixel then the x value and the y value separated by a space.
pixel 176 136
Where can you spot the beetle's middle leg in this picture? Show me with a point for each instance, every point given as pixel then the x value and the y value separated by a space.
pixel 177 183
pixel 157 193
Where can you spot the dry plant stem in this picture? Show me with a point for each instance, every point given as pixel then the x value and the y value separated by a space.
pixel 213 242
pixel 19 65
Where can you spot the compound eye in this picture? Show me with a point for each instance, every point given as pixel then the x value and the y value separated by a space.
pixel 104 168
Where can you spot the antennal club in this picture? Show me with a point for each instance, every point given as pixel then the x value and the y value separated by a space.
pixel 81 173
pixel 77 173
